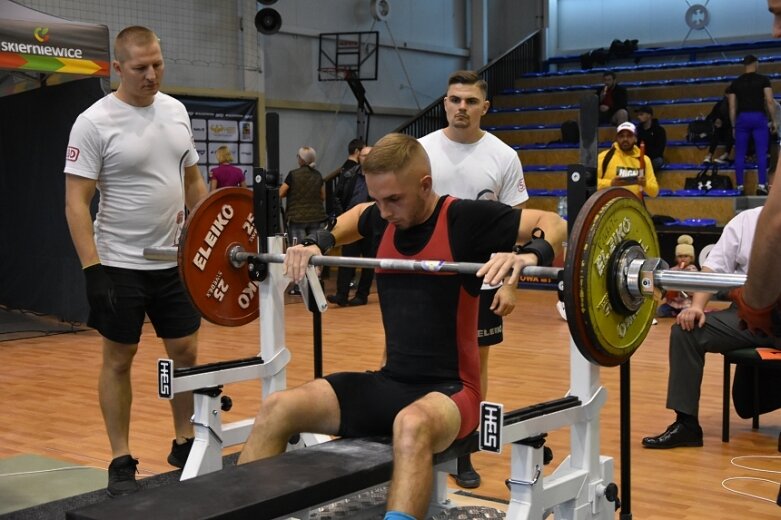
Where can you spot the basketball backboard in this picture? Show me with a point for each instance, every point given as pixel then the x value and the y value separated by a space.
pixel 348 55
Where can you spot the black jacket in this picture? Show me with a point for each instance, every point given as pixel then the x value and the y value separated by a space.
pixel 345 189
pixel 720 111
pixel 620 97
pixel 655 139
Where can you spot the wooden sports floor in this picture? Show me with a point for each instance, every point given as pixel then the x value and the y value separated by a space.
pixel 49 404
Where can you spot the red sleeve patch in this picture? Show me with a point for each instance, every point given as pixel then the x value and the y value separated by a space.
pixel 72 154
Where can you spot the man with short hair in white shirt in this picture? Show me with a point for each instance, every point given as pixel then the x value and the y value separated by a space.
pixel 696 333
pixel 136 147
pixel 469 163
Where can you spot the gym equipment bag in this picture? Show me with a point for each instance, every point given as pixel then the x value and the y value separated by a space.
pixel 570 132
pixel 708 179
pixel 699 131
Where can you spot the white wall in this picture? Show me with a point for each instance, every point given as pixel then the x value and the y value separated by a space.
pixel 212 47
pixel 579 25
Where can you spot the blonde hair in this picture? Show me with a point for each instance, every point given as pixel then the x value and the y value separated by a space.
pixel 394 152
pixel 685 246
pixel 224 155
pixel 133 35
pixel 308 155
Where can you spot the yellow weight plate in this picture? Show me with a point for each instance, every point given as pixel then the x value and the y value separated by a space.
pixel 609 220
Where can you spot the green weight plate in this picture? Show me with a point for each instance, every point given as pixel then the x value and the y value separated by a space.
pixel 609 219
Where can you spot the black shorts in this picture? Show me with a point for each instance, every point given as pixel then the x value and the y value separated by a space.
pixel 370 401
pixel 489 324
pixel 159 294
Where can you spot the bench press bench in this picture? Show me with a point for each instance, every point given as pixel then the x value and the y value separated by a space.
pixel 294 481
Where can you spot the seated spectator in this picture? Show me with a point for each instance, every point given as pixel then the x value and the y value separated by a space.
pixel 696 333
pixel 612 101
pixel 621 166
pixel 722 131
pixel 676 301
pixel 652 135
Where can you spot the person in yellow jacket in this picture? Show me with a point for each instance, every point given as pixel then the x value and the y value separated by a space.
pixel 620 165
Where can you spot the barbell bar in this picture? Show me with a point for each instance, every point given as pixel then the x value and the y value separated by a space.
pixel 611 276
pixel 238 257
pixel 665 279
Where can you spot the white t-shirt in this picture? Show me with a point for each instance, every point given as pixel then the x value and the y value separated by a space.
pixel 138 156
pixel 733 249
pixel 486 169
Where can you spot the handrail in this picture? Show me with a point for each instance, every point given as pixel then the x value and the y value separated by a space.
pixel 500 74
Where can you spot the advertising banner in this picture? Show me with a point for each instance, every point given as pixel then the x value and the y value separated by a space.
pixel 220 122
pixel 54 47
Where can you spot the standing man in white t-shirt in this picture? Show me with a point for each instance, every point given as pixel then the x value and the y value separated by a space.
pixel 470 163
pixel 136 147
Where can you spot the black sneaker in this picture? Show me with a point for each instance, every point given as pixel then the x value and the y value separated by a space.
pixel 122 476
pixel 761 190
pixel 179 453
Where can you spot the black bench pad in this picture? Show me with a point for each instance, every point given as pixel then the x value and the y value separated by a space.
pixel 266 488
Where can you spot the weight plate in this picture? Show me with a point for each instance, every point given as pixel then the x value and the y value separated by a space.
pixel 608 219
pixel 223 293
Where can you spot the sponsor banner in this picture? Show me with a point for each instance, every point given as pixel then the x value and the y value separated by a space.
pixel 43 46
pixel 224 122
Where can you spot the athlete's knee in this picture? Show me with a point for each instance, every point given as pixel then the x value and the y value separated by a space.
pixel 412 429
pixel 118 357
pixel 275 408
pixel 184 351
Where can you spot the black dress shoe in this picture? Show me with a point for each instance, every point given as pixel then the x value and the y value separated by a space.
pixel 358 300
pixel 677 435
pixel 337 300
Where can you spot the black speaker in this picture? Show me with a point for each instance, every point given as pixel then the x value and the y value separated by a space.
pixel 268 21
pixel 581 184
pixel 272 145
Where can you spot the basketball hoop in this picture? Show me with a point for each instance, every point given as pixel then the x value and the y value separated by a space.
pixel 334 73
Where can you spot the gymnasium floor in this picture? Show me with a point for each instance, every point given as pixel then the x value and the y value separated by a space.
pixel 50 405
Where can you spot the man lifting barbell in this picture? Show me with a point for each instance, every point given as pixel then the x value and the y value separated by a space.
pixel 428 391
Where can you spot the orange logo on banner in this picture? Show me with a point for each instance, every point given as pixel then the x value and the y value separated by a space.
pixel 41 34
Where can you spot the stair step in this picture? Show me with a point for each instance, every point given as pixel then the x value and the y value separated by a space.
pixel 552 132
pixel 732 67
pixel 676 152
pixel 706 87
pixel 668 179
pixel 722 209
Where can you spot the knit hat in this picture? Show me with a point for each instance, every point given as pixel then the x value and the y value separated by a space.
pixel 685 246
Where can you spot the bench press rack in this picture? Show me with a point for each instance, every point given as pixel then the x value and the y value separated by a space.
pixel 206 381
pixel 579 489
pixel 295 482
